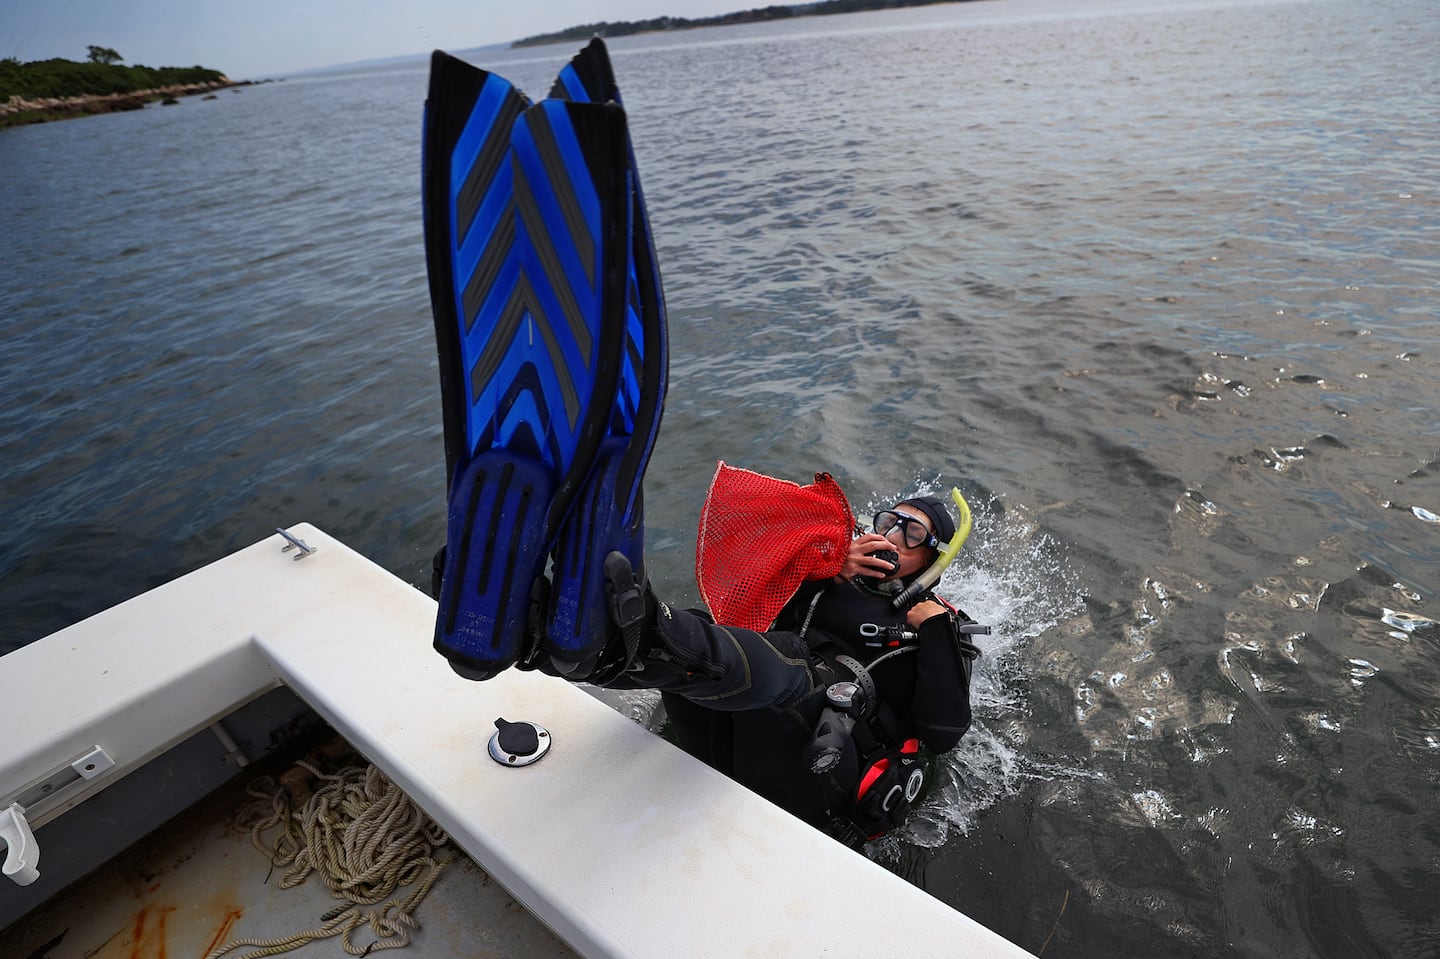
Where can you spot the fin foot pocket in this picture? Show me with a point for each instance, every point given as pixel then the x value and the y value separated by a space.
pixel 495 553
pixel 579 626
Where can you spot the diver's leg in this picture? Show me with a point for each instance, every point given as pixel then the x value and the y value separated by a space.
pixel 682 652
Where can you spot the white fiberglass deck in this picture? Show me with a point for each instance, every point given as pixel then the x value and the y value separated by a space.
pixel 616 840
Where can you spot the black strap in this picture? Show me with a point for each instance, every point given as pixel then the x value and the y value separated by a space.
pixel 864 680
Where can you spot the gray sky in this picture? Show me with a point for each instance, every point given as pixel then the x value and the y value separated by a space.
pixel 255 39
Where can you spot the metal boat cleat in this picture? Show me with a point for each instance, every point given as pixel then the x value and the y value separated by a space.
pixel 294 542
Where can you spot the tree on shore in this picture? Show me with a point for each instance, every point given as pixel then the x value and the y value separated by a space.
pixel 103 55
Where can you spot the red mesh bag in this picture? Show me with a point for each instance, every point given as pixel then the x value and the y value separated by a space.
pixel 761 537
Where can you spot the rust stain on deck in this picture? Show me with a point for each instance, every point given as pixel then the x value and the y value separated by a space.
pixel 151 936
pixel 148 940
pixel 223 933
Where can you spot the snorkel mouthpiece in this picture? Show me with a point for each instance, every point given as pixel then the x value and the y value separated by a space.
pixel 948 551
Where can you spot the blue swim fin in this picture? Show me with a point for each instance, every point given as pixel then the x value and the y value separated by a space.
pixel 527 235
pixel 610 515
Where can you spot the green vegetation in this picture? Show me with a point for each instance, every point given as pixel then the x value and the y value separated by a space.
pixel 41 79
pixel 627 27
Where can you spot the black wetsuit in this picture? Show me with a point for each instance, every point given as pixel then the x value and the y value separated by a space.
pixel 758 731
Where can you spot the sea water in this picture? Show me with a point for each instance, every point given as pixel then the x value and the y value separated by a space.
pixel 1155 284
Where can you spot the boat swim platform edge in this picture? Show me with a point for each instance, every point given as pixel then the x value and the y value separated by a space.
pixel 616 840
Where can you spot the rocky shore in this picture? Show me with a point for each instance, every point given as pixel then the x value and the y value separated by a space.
pixel 18 111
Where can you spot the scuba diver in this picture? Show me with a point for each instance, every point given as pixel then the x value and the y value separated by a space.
pixel 825 713
pixel 820 677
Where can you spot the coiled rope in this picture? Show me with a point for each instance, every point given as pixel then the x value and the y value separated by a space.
pixel 365 839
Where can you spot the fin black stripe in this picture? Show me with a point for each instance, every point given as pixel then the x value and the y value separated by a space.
pixel 462 558
pixel 522 302
pixel 497 510
pixel 635 363
pixel 526 438
pixel 540 232
pixel 558 175
pixel 555 274
pixel 502 615
pixel 544 445
pixel 481 174
pixel 497 345
pixel 497 248
pixel 563 377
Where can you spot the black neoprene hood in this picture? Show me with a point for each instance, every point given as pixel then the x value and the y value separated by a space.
pixel 934 509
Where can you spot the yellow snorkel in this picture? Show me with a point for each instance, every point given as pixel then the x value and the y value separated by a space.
pixel 948 552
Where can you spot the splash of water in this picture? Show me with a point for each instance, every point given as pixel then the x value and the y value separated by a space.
pixel 1014 579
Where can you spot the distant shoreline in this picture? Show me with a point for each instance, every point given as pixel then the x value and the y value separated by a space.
pixel 626 28
pixel 21 112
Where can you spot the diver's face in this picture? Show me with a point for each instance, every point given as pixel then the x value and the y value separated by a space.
pixel 912 558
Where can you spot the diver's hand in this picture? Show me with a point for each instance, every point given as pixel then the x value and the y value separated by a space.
pixel 924 610
pixel 859 564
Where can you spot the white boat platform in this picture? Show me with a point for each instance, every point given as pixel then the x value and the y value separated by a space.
pixel 616 842
pixel 197 884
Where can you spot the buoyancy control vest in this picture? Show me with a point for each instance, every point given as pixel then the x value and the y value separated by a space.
pixel 873 765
